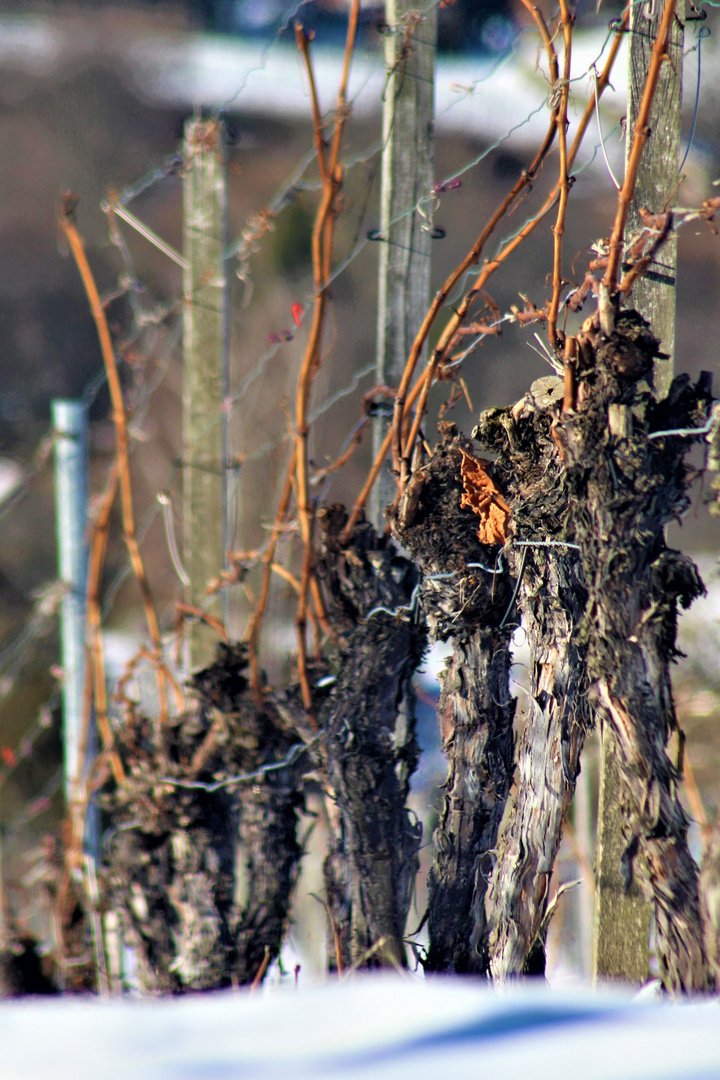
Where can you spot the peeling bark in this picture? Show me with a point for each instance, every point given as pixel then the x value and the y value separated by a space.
pixel 370 744
pixel 268 837
pixel 475 711
pixel 171 857
pixel 551 601
pixel 169 872
pixel 624 488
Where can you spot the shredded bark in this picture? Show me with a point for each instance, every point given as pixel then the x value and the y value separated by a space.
pixel 475 711
pixel 624 488
pixel 551 602
pixel 470 605
pixel 369 740
pixel 268 838
pixel 172 854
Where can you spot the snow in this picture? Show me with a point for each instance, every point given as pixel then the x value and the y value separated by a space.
pixel 475 96
pixel 384 1027
pixel 11 477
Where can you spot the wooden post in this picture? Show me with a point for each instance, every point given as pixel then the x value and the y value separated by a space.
pixel 622 921
pixel 407 179
pixel 205 340
pixel 654 295
pixel 584 807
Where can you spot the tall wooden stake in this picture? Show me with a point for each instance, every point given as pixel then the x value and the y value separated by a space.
pixel 205 338
pixel 654 295
pixel 407 179
pixel 622 920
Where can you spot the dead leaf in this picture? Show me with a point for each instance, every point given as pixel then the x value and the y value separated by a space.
pixel 484 499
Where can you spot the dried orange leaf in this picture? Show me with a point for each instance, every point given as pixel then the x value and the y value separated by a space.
pixel 484 499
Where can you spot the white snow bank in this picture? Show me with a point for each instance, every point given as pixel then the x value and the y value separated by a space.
pixel 383 1027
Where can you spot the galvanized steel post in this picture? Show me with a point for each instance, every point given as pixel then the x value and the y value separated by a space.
pixel 69 419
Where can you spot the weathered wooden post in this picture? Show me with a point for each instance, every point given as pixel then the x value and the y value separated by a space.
pixel 654 294
pixel 205 339
pixel 407 180
pixel 622 920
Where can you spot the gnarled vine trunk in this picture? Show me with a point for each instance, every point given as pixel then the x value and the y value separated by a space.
pixel 466 597
pixel 369 743
pixel 172 854
pixel 551 601
pixel 627 480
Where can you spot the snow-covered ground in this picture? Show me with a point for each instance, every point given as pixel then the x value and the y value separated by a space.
pixel 384 1027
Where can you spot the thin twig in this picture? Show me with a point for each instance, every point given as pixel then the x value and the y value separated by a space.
pixel 321 257
pixel 193 612
pixel 302 44
pixel 564 179
pixel 368 955
pixel 569 374
pixel 644 262
pixel 78 250
pixel 286 575
pixel 129 671
pixel 547 39
pixel 252 634
pixel 93 896
pixel 202 755
pixel 375 468
pixel 355 440
pixel 264 965
pixel 96 691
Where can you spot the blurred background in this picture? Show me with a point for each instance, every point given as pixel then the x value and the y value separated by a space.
pixel 93 100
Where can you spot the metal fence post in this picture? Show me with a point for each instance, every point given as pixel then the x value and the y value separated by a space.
pixel 69 419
